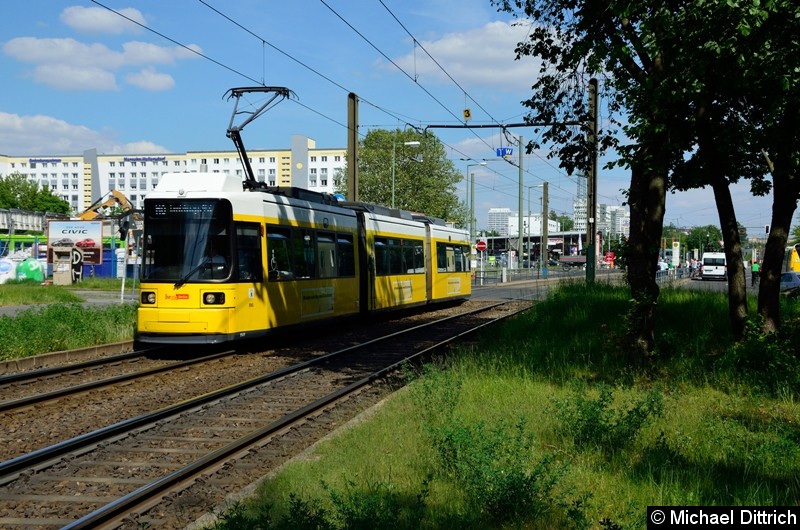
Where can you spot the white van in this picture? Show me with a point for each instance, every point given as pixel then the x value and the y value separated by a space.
pixel 714 267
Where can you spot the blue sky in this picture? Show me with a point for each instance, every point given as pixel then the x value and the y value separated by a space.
pixel 77 76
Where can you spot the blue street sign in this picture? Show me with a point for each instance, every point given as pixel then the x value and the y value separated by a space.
pixel 504 151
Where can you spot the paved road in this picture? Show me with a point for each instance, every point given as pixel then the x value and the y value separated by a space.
pixel 528 287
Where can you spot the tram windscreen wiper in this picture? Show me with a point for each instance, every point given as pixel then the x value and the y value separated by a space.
pixel 188 275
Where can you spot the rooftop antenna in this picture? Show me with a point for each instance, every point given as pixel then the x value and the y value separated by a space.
pixel 234 131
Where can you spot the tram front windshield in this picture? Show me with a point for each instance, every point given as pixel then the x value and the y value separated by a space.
pixel 187 240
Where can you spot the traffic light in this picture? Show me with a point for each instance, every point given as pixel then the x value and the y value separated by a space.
pixel 766 229
pixel 123 229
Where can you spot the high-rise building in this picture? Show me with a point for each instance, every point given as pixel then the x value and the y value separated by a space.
pixel 579 207
pixel 497 220
pixel 531 225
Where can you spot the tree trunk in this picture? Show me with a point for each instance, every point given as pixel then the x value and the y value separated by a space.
pixel 785 193
pixel 784 202
pixel 737 280
pixel 646 199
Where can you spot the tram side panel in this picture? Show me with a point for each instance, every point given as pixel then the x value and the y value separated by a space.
pixel 311 263
pixel 396 262
pixel 450 269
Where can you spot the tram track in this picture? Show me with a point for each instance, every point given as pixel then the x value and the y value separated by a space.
pixel 33 421
pixel 156 456
pixel 127 376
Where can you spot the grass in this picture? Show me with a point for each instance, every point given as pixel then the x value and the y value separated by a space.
pixel 544 424
pixel 56 320
pixel 27 292
pixel 15 293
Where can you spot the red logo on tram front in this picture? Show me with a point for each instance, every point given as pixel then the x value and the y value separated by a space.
pixel 181 296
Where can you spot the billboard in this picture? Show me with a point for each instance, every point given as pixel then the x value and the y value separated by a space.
pixel 83 237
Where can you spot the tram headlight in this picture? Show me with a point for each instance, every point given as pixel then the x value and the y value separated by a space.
pixel 148 297
pixel 214 298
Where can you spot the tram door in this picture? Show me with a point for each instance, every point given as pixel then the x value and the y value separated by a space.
pixel 249 274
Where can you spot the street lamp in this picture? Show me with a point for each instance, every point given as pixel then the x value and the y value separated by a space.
pixel 530 255
pixel 542 235
pixel 471 186
pixel 394 163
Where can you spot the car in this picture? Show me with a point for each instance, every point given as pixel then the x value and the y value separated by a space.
pixel 789 281
pixel 85 243
pixel 63 242
pixel 715 266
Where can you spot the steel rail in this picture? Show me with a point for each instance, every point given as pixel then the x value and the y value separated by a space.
pixel 149 494
pixel 55 370
pixel 91 385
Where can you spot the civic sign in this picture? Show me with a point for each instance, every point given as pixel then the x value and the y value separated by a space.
pixel 504 151
pixel 84 235
pixel 480 246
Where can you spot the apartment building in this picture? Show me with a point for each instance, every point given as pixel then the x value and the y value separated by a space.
pixel 81 179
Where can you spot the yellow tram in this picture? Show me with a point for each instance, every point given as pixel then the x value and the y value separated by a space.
pixel 223 262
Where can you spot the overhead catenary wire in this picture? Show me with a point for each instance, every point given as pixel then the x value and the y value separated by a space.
pixel 406 121
pixel 184 46
pixel 264 43
pixel 417 43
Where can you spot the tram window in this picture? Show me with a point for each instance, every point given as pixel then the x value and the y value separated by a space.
pixel 346 255
pixel 279 253
pixel 248 243
pixel 441 257
pixel 381 256
pixel 304 253
pixel 326 250
pixel 414 256
pixel 399 256
pixel 446 258
pixel 217 254
pixel 462 258
pixel 397 265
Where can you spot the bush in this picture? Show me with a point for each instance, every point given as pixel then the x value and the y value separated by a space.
pixel 496 469
pixel 601 422
pixel 768 362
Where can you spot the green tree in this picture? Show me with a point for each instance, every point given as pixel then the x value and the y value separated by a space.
pixel 621 42
pixel 795 235
pixel 742 80
pixel 566 222
pixel 704 239
pixel 420 177
pixel 17 191
pixel 698 110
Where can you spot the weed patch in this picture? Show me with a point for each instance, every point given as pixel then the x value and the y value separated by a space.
pixel 497 469
pixel 768 362
pixel 603 421
pixel 56 327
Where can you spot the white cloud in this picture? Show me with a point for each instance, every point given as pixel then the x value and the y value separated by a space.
pixel 136 148
pixel 67 64
pixel 146 53
pixel 101 20
pixel 62 51
pixel 34 135
pixel 482 56
pixel 151 80
pixel 66 77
